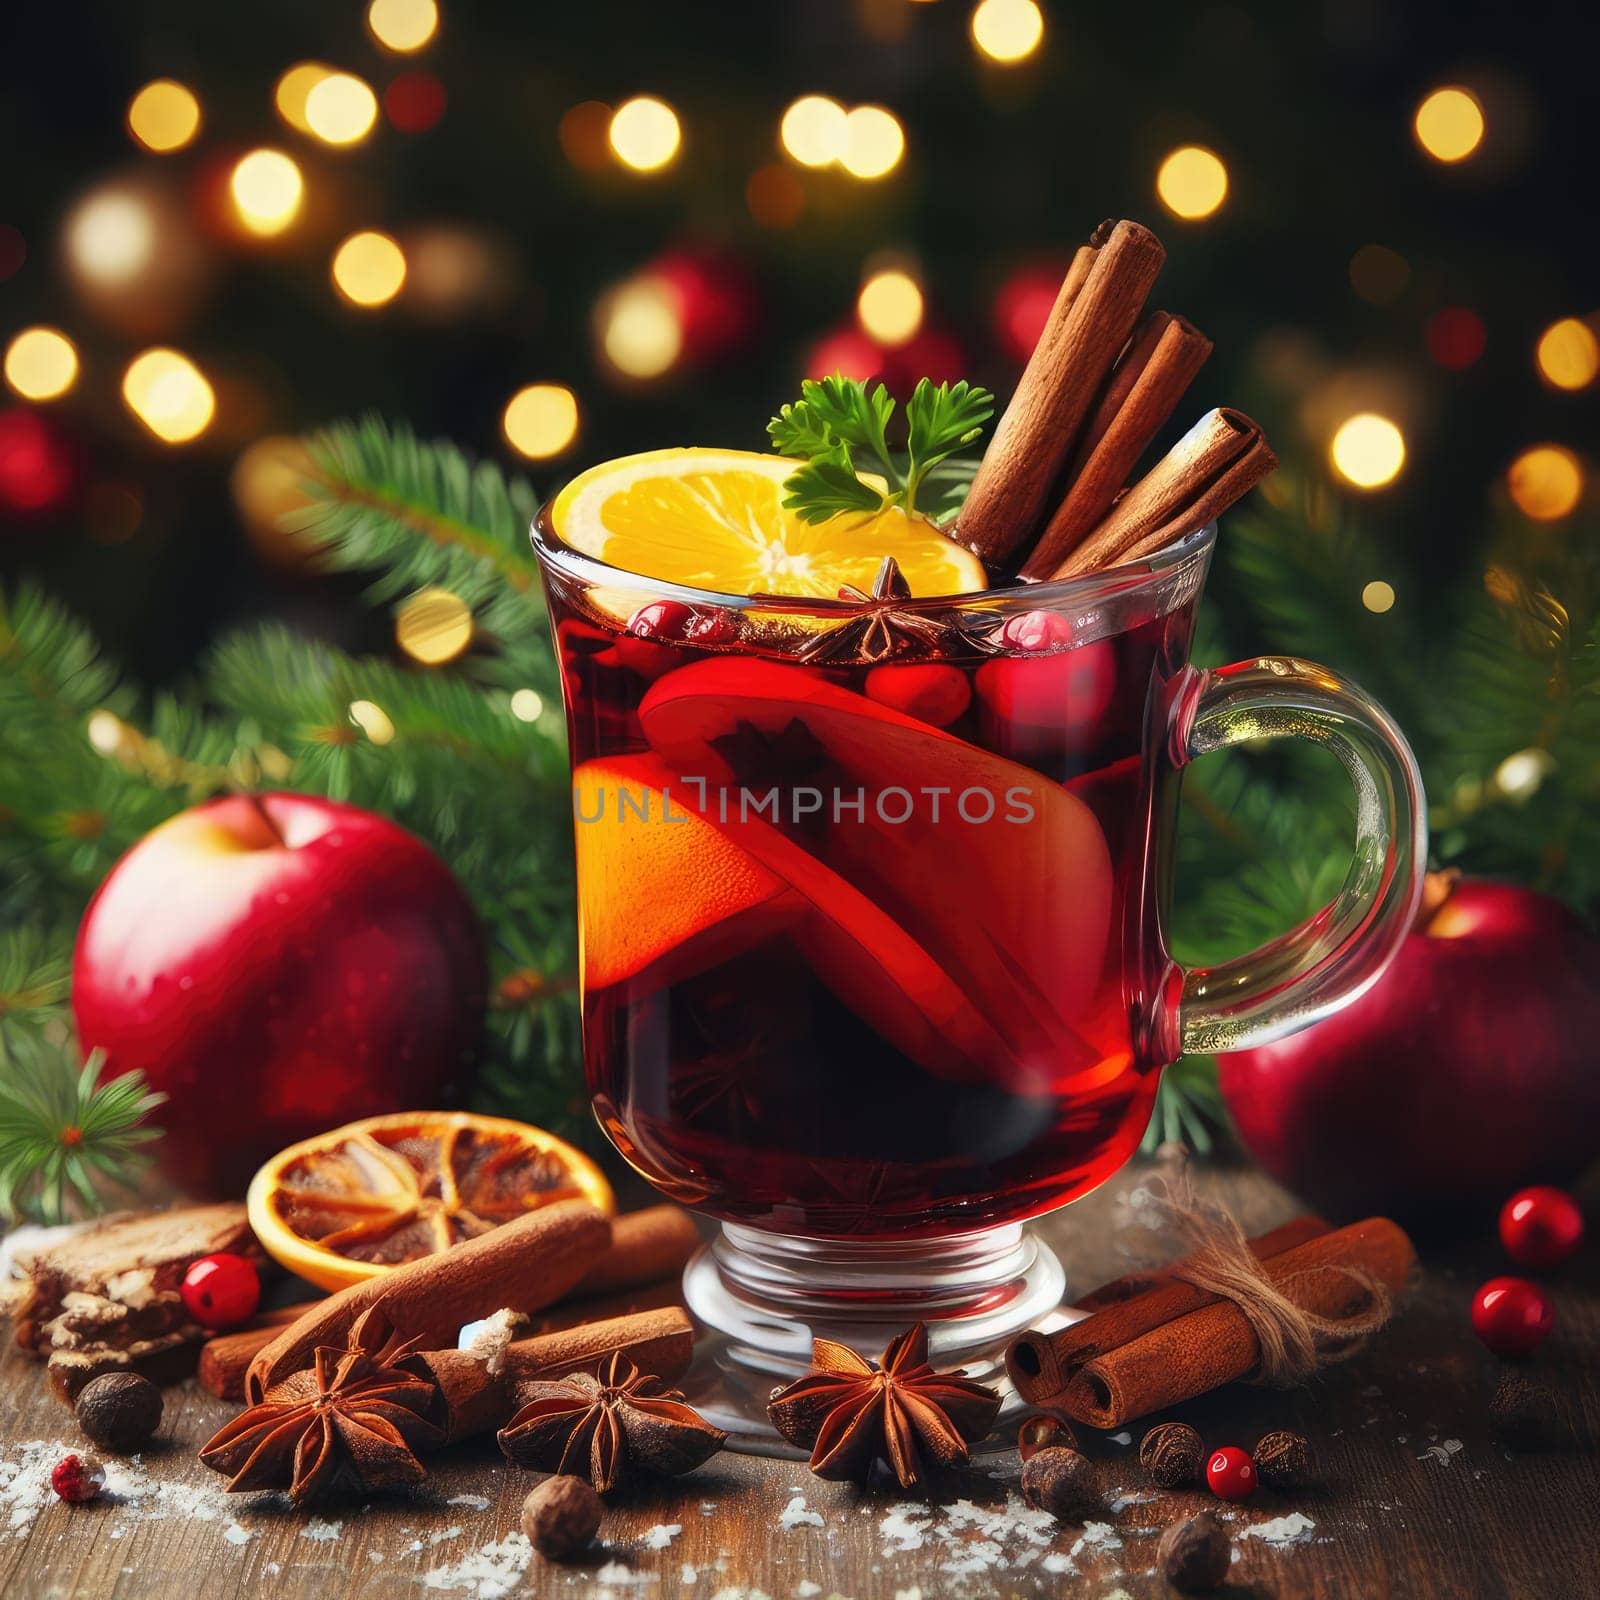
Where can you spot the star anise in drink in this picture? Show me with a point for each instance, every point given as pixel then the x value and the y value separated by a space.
pixel 603 1428
pixel 882 628
pixel 354 1420
pixel 849 1413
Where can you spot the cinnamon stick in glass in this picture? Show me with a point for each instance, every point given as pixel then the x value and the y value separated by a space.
pixel 1141 394
pixel 1220 459
pixel 1194 1353
pixel 1040 429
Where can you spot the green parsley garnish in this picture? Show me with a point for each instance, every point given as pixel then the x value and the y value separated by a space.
pixel 841 429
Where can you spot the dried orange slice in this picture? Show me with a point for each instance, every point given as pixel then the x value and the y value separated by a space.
pixel 350 1204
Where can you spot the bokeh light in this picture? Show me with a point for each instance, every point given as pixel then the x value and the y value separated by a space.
pixel 164 116
pixel 267 190
pixel 1546 482
pixel 41 363
pixel 403 25
pixel 294 88
pixel 1521 774
pixel 1007 30
pixel 434 626
pixel 874 142
pixel 541 420
pixel 110 237
pixel 776 198
pixel 372 720
pixel 268 487
pixel 813 130
pixel 640 328
pixel 1449 124
pixel 1378 596
pixel 1192 182
pixel 169 395
pixel 527 705
pixel 36 463
pixel 585 135
pixel 369 268
pixel 1456 337
pixel 1568 354
pixel 644 133
pixel 889 307
pixel 1368 450
pixel 415 101
pixel 341 109
pixel 1378 274
pixel 13 250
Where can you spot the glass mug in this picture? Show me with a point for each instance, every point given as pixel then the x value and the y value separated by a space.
pixel 873 953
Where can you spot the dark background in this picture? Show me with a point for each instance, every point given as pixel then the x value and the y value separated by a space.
pixel 1310 106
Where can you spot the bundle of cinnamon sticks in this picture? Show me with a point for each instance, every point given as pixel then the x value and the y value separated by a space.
pixel 1049 498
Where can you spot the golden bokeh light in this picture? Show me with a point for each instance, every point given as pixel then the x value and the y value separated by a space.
pixel 1521 774
pixel 434 626
pixel 874 142
pixel 541 420
pixel 41 363
pixel 403 25
pixel 640 328
pixel 341 108
pixel 1378 596
pixel 164 116
pixel 1368 450
pixel 813 130
pixel 294 89
pixel 889 307
pixel 267 190
pixel 1568 354
pixel 644 133
pixel 1192 182
pixel 372 720
pixel 369 268
pixel 169 395
pixel 110 238
pixel 268 484
pixel 1007 30
pixel 1378 274
pixel 1546 482
pixel 527 705
pixel 1449 124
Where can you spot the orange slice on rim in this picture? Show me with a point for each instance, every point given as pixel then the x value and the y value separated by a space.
pixel 354 1203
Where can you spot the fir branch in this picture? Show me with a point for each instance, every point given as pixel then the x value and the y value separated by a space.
pixel 1189 1108
pixel 35 976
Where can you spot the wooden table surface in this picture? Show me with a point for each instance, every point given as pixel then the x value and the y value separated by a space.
pixel 1414 1498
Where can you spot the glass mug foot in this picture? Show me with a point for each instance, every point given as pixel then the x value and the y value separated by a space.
pixel 761 1298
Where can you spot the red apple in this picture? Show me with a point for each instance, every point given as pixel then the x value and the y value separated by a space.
pixel 277 965
pixel 1466 1071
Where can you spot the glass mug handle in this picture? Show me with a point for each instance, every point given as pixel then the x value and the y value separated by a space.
pixel 1334 955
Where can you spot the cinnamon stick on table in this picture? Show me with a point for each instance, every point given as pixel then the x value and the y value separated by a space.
pixel 1042 426
pixel 1191 1354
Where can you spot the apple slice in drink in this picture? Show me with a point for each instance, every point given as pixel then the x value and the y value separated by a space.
pixel 1002 876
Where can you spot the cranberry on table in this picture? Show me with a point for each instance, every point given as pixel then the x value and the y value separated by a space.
pixel 1541 1226
pixel 1231 1473
pixel 1512 1316
pixel 221 1290
pixel 77 1479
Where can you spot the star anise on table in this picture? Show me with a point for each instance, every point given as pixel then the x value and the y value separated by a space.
pixel 882 628
pixel 354 1420
pixel 849 1413
pixel 603 1428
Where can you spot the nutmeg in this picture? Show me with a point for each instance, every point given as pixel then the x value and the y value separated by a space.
pixel 1172 1454
pixel 1283 1459
pixel 1194 1556
pixel 1061 1482
pixel 561 1516
pixel 119 1411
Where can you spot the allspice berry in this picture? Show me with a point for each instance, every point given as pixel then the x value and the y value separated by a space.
pixel 1283 1459
pixel 1524 1413
pixel 119 1411
pixel 1061 1482
pixel 1172 1454
pixel 561 1516
pixel 1045 1431
pixel 1194 1556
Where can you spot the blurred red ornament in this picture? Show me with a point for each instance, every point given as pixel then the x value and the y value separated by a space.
pixel 414 102
pixel 716 301
pixel 1455 337
pixel 1022 307
pixel 850 353
pixel 37 469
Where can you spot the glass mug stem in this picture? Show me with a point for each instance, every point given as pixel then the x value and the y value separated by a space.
pixel 1340 951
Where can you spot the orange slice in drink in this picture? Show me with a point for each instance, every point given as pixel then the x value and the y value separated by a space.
pixel 356 1202
pixel 1002 877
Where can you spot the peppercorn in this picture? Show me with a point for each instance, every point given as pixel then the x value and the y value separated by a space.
pixel 1061 1482
pixel 1194 1556
pixel 1172 1454
pixel 561 1516
pixel 119 1411
pixel 1523 1413
pixel 77 1479
pixel 1045 1431
pixel 1283 1459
